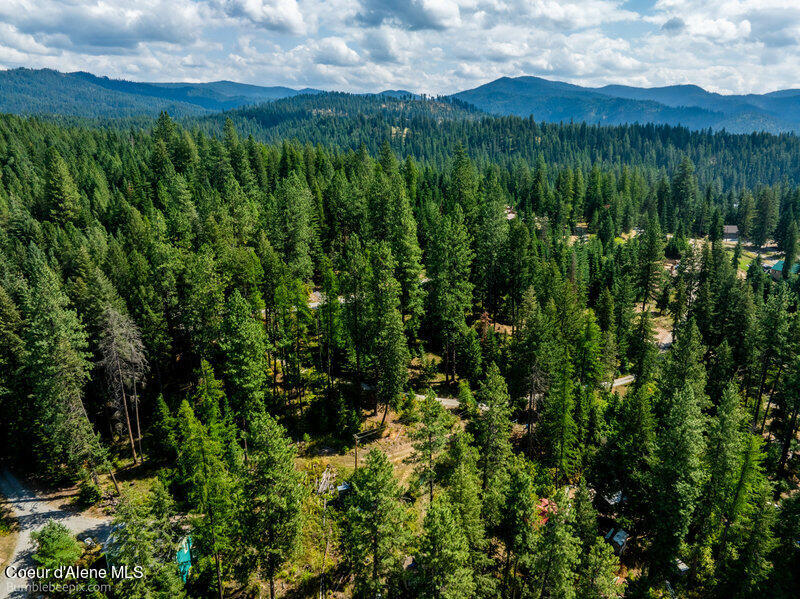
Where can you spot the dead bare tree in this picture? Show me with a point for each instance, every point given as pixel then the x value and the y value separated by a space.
pixel 124 364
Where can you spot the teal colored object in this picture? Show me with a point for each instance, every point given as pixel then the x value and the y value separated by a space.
pixel 184 557
pixel 778 267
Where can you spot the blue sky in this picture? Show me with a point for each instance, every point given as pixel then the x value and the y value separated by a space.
pixel 432 46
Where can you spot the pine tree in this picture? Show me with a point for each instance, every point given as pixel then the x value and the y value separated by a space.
pixel 293 230
pixel 585 521
pixel 273 498
pixel 492 431
pixel 744 574
pixel 555 557
pixel 330 322
pixel 469 356
pixel 789 249
pixel 429 440
pixel 773 332
pixel 450 295
pixel 56 546
pixel 519 530
pixel 463 488
pixel 684 189
pixel 146 536
pixel 443 559
pixel 491 234
pixel 650 255
pixel 374 531
pixel 56 367
pixel 462 190
pixel 402 236
pixel 62 199
pixel 642 351
pixel 389 342
pixel 789 417
pixel 624 464
pixel 727 444
pixel 517 267
pixel 746 215
pixel 597 573
pixel 557 429
pixel 356 290
pixel 244 347
pixel 13 433
pixel 124 363
pixel 677 476
pixel 683 365
pixel 212 490
pixel 766 217
pixel 588 365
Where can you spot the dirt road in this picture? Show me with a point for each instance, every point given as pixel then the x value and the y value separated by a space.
pixel 33 512
pixel 452 403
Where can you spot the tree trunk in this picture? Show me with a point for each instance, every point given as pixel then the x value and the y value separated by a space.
pixel 125 407
pixel 271 579
pixel 769 401
pixel 138 424
pixel 113 479
pixel 763 379
pixel 787 440
pixel 219 575
pixel 506 570
pixel 385 411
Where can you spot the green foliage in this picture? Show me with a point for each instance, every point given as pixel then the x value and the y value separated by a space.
pixel 212 489
pixel 273 498
pixel 375 530
pixel 88 490
pixel 492 431
pixel 291 283
pixel 146 536
pixel 443 560
pixel 678 475
pixel 55 546
pixel 429 439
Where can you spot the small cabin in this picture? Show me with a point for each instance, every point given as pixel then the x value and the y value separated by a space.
pixel 777 270
pixel 730 233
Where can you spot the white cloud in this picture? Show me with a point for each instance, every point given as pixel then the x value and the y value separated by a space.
pixel 433 46
pixel 334 51
pixel 102 27
pixel 277 15
pixel 414 14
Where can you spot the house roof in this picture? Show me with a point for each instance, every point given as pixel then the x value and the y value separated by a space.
pixel 545 507
pixel 778 267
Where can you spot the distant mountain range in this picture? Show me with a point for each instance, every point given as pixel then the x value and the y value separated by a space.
pixel 44 91
pixel 29 91
pixel 687 105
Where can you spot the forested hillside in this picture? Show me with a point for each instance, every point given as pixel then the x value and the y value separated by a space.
pixel 81 94
pixel 215 319
pixel 48 92
pixel 430 129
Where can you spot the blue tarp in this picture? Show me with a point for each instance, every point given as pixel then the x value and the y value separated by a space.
pixel 184 557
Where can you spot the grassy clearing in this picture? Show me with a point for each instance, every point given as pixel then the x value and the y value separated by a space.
pixel 8 534
pixel 134 479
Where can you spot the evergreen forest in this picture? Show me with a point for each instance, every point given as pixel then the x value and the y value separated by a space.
pixel 393 347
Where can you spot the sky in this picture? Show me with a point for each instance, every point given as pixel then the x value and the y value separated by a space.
pixel 427 46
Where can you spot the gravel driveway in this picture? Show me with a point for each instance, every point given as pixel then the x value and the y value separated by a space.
pixel 33 512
